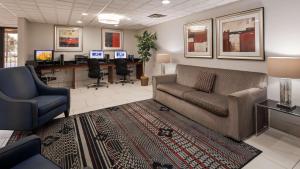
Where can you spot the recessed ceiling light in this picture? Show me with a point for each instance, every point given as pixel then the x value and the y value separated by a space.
pixel 79 21
pixel 84 14
pixel 109 18
pixel 116 25
pixel 165 2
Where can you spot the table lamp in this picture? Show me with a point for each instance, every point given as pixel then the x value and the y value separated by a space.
pixel 286 68
pixel 163 59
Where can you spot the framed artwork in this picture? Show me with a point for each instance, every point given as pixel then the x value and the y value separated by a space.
pixel 241 35
pixel 198 39
pixel 112 39
pixel 68 39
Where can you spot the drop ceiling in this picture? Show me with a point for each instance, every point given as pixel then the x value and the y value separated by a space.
pixel 68 12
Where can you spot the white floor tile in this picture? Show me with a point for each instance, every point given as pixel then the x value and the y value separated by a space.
pixel 261 162
pixel 279 147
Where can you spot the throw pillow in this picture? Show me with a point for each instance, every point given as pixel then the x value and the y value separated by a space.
pixel 205 81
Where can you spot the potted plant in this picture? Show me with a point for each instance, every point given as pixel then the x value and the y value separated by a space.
pixel 146 43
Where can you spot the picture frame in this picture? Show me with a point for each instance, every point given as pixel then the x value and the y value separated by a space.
pixel 198 39
pixel 241 35
pixel 68 39
pixel 112 39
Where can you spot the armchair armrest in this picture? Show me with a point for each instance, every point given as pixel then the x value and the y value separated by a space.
pixel 17 114
pixel 241 108
pixel 17 152
pixel 46 90
pixel 162 79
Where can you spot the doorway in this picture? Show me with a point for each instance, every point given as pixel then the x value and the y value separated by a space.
pixel 8 47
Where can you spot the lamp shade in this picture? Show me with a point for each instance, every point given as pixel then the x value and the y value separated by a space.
pixel 284 67
pixel 163 58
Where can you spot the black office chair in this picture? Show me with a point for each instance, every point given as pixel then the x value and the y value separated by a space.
pixel 96 73
pixel 123 70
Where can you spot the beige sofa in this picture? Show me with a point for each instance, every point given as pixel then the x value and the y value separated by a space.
pixel 229 109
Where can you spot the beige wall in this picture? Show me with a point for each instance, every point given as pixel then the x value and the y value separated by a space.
pixel 41 36
pixel 22 40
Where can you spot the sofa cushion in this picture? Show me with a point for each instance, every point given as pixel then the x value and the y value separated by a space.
pixel 205 81
pixel 174 89
pixel 212 102
pixel 36 161
pixel 227 81
pixel 47 103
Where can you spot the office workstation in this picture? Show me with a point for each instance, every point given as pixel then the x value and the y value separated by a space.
pixel 73 73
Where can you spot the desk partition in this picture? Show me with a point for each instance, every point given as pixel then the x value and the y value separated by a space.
pixel 73 75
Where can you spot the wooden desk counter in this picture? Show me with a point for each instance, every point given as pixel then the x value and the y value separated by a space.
pixel 72 66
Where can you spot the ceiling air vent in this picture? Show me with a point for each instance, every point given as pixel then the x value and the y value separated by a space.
pixel 156 15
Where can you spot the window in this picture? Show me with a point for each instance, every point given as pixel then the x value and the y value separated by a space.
pixel 10 47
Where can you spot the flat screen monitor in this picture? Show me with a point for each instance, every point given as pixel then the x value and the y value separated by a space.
pixel 96 54
pixel 43 55
pixel 120 55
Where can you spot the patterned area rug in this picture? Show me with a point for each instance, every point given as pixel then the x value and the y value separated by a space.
pixel 138 135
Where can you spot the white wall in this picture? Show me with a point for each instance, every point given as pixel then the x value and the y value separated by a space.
pixel 282 38
pixel 41 36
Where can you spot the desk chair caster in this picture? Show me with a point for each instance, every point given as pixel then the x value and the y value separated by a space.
pixel 97 85
pixel 123 81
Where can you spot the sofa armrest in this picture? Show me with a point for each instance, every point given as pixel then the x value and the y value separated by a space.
pixel 17 114
pixel 46 90
pixel 19 151
pixel 162 79
pixel 241 108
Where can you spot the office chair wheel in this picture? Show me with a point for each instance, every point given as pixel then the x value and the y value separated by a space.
pixel 122 84
pixel 96 88
pixel 106 86
pixel 132 82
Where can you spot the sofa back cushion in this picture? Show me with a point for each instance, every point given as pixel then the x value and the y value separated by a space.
pixel 205 82
pixel 17 83
pixel 227 81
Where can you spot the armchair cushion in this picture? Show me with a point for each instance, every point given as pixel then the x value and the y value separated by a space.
pixel 19 151
pixel 174 89
pixel 17 83
pixel 36 162
pixel 215 103
pixel 47 103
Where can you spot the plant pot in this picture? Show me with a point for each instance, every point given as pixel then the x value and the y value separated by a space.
pixel 144 80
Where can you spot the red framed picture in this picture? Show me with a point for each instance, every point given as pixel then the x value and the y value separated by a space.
pixel 112 39
pixel 241 35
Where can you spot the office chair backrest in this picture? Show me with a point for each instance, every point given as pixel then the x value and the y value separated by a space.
pixel 17 83
pixel 94 68
pixel 121 66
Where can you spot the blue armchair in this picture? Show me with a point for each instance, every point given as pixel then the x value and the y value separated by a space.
pixel 26 103
pixel 25 154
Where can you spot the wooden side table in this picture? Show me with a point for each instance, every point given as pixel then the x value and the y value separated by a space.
pixel 262 114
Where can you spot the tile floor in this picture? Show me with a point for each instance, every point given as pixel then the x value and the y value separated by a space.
pixel 280 150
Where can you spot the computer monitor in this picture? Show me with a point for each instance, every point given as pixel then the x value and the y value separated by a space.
pixel 96 54
pixel 120 55
pixel 43 55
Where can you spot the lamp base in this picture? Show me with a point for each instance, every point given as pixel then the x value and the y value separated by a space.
pixel 284 106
